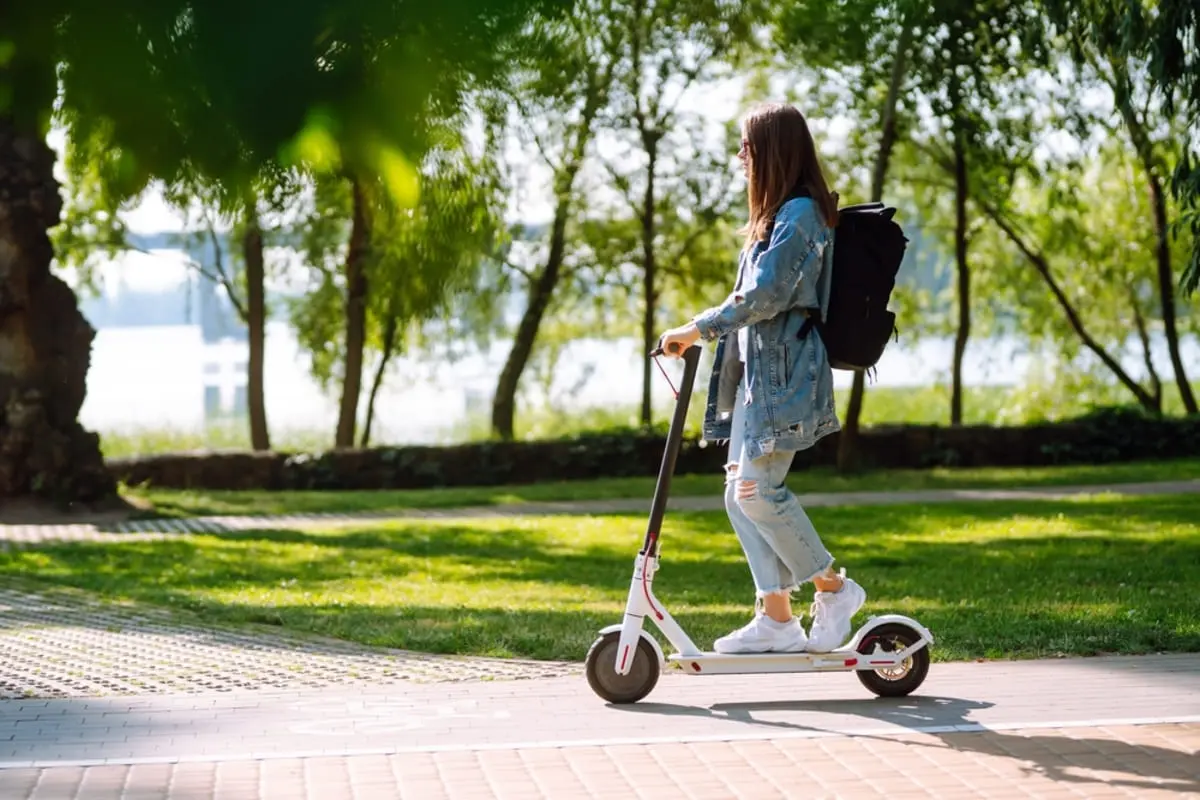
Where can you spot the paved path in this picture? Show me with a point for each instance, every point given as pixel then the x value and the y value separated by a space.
pixel 30 535
pixel 1121 726
pixel 58 644
pixel 127 702
pixel 1145 762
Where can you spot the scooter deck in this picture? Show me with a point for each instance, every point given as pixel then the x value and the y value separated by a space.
pixel 840 660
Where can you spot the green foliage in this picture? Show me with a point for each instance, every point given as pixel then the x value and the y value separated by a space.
pixel 696 212
pixel 548 106
pixel 232 102
pixel 1052 162
pixel 1161 37
pixel 317 315
pixel 1091 223
pixel 92 230
pixel 420 257
pixel 223 89
pixel 1185 184
pixel 97 201
pixel 424 256
pixel 590 105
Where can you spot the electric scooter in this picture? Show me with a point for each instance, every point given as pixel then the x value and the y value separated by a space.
pixel 889 653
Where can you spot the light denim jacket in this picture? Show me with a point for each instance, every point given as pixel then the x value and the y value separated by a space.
pixel 788 381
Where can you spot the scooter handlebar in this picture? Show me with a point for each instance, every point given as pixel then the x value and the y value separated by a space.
pixel 693 351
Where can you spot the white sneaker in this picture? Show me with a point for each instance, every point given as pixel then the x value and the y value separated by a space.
pixel 764 635
pixel 831 615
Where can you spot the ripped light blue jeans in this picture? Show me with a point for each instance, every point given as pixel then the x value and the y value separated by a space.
pixel 781 545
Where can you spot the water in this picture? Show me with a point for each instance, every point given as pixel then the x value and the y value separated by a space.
pixel 170 354
pixel 168 377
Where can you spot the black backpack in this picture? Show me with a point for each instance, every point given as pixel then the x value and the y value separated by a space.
pixel 867 250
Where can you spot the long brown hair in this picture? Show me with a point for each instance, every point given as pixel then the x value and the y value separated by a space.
pixel 781 157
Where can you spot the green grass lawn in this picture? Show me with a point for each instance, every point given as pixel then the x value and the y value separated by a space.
pixel 1105 573
pixel 168 502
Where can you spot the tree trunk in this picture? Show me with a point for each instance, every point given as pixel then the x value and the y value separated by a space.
pixel 256 326
pixel 649 334
pixel 1043 267
pixel 964 274
pixel 389 336
pixel 1166 294
pixel 1162 246
pixel 848 456
pixel 356 316
pixel 45 342
pixel 1139 321
pixel 504 404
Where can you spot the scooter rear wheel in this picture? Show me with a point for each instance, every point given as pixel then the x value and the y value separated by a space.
pixel 902 679
pixel 602 670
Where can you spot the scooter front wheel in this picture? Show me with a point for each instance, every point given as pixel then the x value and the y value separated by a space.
pixel 602 670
